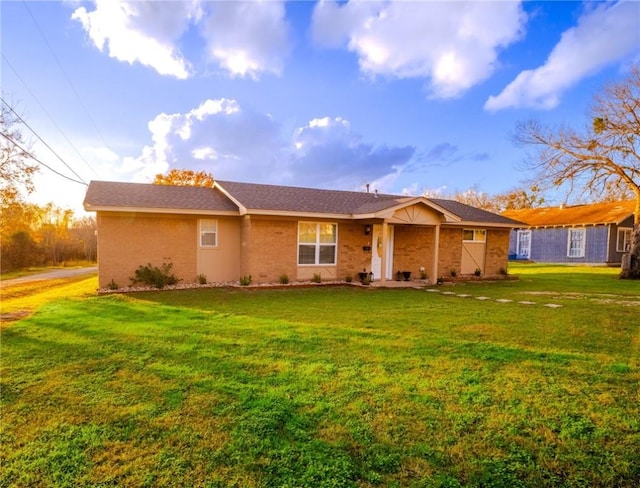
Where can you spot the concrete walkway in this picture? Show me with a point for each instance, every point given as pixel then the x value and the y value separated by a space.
pixel 54 274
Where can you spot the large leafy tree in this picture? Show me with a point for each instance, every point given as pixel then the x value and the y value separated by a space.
pixel 602 159
pixel 184 177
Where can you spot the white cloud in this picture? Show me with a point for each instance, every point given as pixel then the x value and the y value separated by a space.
pixel 233 143
pixel 330 154
pixel 244 38
pixel 141 31
pixel 602 36
pixel 247 38
pixel 453 44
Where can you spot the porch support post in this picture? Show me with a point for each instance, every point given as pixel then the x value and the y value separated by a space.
pixel 385 245
pixel 436 253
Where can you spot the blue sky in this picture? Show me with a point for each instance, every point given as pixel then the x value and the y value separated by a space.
pixel 404 96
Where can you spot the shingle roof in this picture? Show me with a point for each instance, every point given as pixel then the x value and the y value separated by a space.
pixel 295 199
pixel 258 197
pixel 595 213
pixel 473 214
pixel 103 194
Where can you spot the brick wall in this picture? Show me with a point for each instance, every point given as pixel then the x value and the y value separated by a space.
pixel 497 256
pixel 269 249
pixel 413 249
pixel 126 241
pixel 450 251
pixel 352 259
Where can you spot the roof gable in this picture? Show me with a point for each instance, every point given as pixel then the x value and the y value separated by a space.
pixel 588 214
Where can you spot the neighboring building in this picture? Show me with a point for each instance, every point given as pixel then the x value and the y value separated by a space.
pixel 239 229
pixel 598 233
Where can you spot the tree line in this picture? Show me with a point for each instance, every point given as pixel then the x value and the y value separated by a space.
pixel 30 234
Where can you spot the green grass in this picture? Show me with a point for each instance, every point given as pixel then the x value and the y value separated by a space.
pixel 328 387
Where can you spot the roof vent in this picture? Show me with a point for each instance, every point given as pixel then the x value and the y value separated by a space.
pixel 376 193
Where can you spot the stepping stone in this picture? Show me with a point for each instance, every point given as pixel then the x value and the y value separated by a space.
pixel 433 290
pixel 524 302
pixel 463 295
pixel 503 300
pixel 483 298
pixel 552 305
pixel 448 293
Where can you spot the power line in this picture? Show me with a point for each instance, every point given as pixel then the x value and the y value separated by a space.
pixel 49 115
pixel 42 140
pixel 66 77
pixel 40 162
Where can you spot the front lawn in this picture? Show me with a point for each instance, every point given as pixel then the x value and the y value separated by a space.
pixel 329 386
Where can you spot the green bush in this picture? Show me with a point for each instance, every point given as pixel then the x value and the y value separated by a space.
pixel 155 276
pixel 245 280
pixel 317 278
pixel 202 279
pixel 284 279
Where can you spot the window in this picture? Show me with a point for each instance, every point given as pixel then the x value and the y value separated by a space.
pixel 624 240
pixel 576 243
pixel 523 244
pixel 474 235
pixel 208 233
pixel 317 243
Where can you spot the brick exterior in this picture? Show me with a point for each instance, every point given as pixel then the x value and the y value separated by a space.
pixel 450 257
pixel 266 248
pixel 126 241
pixel 269 249
pixel 352 258
pixel 413 249
pixel 497 256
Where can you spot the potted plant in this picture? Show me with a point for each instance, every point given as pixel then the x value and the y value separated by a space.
pixel 407 275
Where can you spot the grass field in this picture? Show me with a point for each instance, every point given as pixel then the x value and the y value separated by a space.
pixel 325 386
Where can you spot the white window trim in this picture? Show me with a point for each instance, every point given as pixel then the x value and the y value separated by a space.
pixel 583 242
pixel 202 231
pixel 518 234
pixel 318 244
pixel 626 242
pixel 482 232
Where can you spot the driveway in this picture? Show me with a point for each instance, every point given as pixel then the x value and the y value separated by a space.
pixel 53 275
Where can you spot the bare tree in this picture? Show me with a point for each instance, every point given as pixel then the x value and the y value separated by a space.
pixel 603 159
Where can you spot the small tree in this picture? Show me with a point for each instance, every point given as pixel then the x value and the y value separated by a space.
pixel 602 159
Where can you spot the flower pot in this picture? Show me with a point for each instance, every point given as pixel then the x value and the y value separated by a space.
pixel 407 275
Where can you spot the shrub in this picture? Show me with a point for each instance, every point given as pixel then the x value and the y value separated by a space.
pixel 348 278
pixel 202 279
pixel 504 271
pixel 245 280
pixel 317 278
pixel 154 276
pixel 113 285
pixel 453 272
pixel 477 272
pixel 284 279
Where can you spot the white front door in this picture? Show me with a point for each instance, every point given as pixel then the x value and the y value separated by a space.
pixel 376 252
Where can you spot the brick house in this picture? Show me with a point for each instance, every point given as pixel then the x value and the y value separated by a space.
pixel 596 233
pixel 238 229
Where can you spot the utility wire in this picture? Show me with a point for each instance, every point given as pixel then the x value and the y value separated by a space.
pixel 40 162
pixel 48 115
pixel 42 140
pixel 73 88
